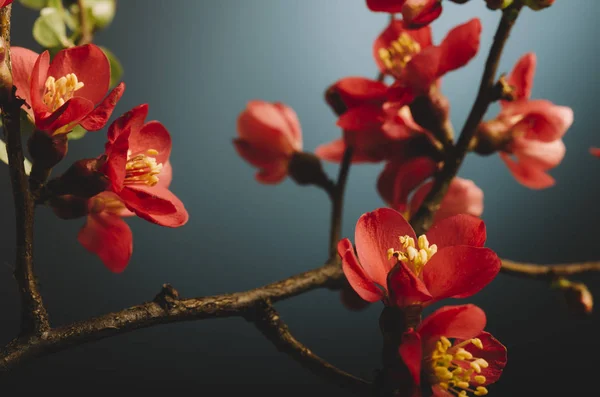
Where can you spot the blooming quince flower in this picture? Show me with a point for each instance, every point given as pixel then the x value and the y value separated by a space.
pixel 137 166
pixel 66 91
pixel 402 270
pixel 415 13
pixel 529 130
pixel 401 178
pixel 416 64
pixel 454 352
pixel 269 134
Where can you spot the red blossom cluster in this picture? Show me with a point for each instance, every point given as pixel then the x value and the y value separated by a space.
pixel 130 178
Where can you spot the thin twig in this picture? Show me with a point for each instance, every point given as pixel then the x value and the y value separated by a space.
pixel 548 272
pixel 270 324
pixel 424 217
pixel 86 36
pixel 34 318
pixel 337 201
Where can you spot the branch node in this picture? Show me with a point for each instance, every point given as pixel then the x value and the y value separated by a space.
pixel 167 298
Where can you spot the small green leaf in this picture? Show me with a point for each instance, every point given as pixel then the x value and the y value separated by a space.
pixel 4 158
pixel 102 12
pixel 27 127
pixel 35 4
pixel 49 29
pixel 77 133
pixel 116 69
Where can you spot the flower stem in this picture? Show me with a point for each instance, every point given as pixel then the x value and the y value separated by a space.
pixel 337 201
pixel 423 219
pixel 86 35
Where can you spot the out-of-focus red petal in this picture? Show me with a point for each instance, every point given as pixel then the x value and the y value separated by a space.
pixel 409 175
pixel 172 219
pixel 362 118
pixel 419 13
pixel 423 70
pixel 411 352
pixel 595 151
pixel 460 271
pixel 406 289
pixel 166 175
pixel 521 77
pixel 460 46
pixel 23 60
pixel 39 74
pixel 153 135
pixel 65 117
pixel 530 176
pixel 98 118
pixel 459 229
pixel 90 65
pixel 390 6
pixel 493 352
pixel 543 155
pixel 544 121
pixel 375 233
pixel 293 123
pixel 109 237
pixel 356 91
pixel 358 279
pixel 146 201
pixel 461 322
pixel 255 156
pixel 274 173
pixel 334 152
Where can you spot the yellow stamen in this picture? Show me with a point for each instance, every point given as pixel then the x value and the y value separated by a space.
pixel 414 255
pixel 57 92
pixel 142 169
pixel 399 53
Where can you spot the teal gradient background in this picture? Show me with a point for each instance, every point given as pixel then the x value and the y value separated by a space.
pixel 197 63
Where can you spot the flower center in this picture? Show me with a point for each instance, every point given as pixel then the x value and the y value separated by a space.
pixel 399 53
pixel 455 369
pixel 59 91
pixel 142 169
pixel 106 203
pixel 415 256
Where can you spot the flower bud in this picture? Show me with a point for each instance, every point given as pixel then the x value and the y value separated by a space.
pixel 538 4
pixel 83 179
pixel 46 151
pixel 69 207
pixel 577 295
pixel 306 169
pixel 431 112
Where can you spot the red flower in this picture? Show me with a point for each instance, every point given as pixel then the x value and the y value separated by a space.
pixel 529 130
pixel 4 3
pixel 415 13
pixel 456 355
pixel 402 270
pixel 68 91
pixel 137 165
pixel 269 134
pixel 105 233
pixel 411 57
pixel 401 178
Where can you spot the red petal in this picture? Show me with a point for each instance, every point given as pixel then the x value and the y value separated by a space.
pixel 293 123
pixel 23 60
pixel 98 118
pixel 356 91
pixel 460 46
pixel 116 158
pixel 461 322
pixel 132 120
pixel 417 13
pixel 173 219
pixel 543 155
pixel 91 66
pixel 39 74
pixel 460 271
pixel 273 174
pixel 423 70
pixel 460 229
pixel 493 352
pixel 411 353
pixel 255 156
pixel 406 289
pixel 391 6
pixel 334 152
pixel 375 233
pixel 528 174
pixel 166 175
pixel 358 279
pixel 362 118
pixel 409 175
pixel 109 237
pixel 153 135
pixel 391 33
pixel 146 201
pixel 521 77
pixel 65 117
pixel 544 121
pixel 595 151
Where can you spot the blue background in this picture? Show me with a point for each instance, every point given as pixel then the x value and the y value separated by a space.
pixel 197 63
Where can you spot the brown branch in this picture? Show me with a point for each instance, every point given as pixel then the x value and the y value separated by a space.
pixel 86 36
pixel 270 324
pixel 165 308
pixel 337 200
pixel 424 217
pixel 34 318
pixel 547 272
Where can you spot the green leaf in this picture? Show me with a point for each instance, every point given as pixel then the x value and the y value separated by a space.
pixel 35 4
pixel 116 69
pixel 49 29
pixel 102 12
pixel 77 133
pixel 27 127
pixel 4 158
